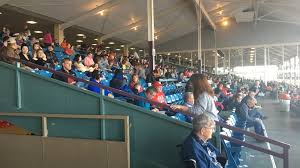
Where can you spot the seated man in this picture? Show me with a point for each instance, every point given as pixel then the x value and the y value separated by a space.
pixel 97 77
pixel 67 69
pixel 253 112
pixel 243 115
pixel 196 145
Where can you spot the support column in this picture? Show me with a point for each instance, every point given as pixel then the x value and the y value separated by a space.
pixel 199 16
pixel 179 59
pixel 126 50
pixel 283 70
pixel 204 62
pixel 265 64
pixel 216 64
pixel 150 15
pixel 297 69
pixel 255 57
pixel 58 33
pixel 192 59
pixel 224 64
pixel 229 57
pixel 242 57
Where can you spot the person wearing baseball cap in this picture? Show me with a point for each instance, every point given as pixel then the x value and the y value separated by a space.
pixel 9 51
pixel 160 96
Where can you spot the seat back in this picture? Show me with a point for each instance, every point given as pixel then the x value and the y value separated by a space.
pixel 191 163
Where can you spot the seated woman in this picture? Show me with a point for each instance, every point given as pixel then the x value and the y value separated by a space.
pixel 36 46
pixel 69 50
pixel 196 145
pixel 24 55
pixel 40 58
pixel 79 65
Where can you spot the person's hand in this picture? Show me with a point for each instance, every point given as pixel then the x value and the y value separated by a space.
pixel 110 95
pixel 175 107
pixel 155 110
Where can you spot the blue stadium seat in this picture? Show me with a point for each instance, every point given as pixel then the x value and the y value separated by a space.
pixel 45 73
pixel 57 67
pixel 79 74
pixel 172 98
pixel 105 82
pixel 168 99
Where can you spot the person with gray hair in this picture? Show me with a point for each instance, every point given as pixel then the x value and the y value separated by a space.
pixel 196 145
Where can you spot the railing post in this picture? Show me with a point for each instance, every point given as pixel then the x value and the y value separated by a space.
pixel 218 138
pixel 102 122
pixel 44 126
pixel 18 86
pixel 285 157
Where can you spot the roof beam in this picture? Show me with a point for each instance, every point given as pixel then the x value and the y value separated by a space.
pixel 269 13
pixel 280 21
pixel 142 22
pixel 203 10
pixel 3 2
pixel 76 19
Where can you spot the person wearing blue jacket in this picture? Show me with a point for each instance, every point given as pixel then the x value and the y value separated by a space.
pixel 98 78
pixel 196 145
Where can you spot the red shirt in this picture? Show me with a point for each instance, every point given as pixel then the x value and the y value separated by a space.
pixel 160 98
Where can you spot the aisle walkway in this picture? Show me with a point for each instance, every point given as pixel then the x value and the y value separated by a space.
pixel 281 126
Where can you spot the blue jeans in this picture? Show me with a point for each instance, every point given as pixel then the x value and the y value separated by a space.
pixel 258 125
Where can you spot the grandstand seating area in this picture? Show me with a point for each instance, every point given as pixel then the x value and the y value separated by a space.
pixel 225 92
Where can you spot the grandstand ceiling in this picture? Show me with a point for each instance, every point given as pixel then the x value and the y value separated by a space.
pixel 173 18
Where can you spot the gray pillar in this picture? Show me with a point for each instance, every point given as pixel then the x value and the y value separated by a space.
pixel 229 57
pixel 150 15
pixel 255 57
pixel 199 15
pixel 265 64
pixel 224 64
pixel 58 33
pixel 179 59
pixel 204 62
pixel 242 57
pixel 192 59
pixel 298 70
pixel 126 50
pixel 283 68
pixel 216 64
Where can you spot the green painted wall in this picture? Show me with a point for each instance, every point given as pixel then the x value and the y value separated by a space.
pixel 153 137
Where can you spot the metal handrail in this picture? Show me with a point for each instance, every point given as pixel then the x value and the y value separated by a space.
pixel 285 146
pixel 251 134
pixel 284 155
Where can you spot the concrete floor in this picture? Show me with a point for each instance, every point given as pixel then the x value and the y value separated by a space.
pixel 281 126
